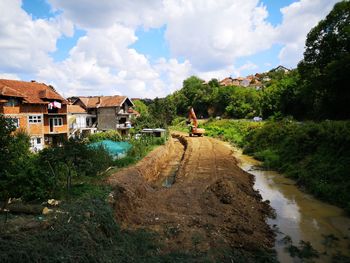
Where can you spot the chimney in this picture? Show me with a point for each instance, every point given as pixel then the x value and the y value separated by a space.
pixel 32 80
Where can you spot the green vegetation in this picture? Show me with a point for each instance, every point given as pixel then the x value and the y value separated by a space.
pixel 55 171
pixel 325 68
pixel 107 135
pixel 233 131
pixel 316 155
pixel 303 251
pixel 140 148
pixel 47 174
pixel 157 113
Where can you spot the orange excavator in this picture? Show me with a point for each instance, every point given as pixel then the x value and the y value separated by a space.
pixel 194 130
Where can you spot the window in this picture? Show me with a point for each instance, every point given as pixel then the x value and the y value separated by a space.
pixel 12 102
pixel 57 121
pixel 35 119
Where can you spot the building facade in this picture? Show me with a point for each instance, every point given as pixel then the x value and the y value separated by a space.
pixel 37 109
pixel 108 112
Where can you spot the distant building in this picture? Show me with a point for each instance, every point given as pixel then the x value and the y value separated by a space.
pixel 280 68
pixel 108 112
pixel 37 108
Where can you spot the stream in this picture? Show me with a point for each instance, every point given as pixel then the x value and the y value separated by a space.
pixel 299 215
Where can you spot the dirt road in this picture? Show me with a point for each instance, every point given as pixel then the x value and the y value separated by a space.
pixel 210 204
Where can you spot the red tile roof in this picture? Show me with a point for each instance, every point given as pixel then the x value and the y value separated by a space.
pixel 103 101
pixel 132 111
pixel 31 92
pixel 75 109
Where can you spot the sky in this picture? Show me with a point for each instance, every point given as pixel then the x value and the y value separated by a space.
pixel 145 49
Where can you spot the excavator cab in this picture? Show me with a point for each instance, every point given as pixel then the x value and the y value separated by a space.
pixel 193 128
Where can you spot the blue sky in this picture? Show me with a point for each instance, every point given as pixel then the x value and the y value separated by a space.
pixel 147 48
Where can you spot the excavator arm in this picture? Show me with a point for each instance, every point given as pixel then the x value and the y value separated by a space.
pixel 192 118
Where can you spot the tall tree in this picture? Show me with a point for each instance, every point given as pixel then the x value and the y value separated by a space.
pixel 326 65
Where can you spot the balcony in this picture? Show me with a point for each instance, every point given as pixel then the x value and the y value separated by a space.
pixel 123 126
pixel 122 112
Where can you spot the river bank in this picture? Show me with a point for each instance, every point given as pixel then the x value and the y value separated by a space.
pixel 314 154
pixel 300 218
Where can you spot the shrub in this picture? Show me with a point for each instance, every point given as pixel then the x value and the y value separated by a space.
pixel 107 135
pixel 316 155
pixel 233 131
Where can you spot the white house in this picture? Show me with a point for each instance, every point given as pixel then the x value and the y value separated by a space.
pixel 80 122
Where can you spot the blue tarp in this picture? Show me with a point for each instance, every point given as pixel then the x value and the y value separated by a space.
pixel 114 148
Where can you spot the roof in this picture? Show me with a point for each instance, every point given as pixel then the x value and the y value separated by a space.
pixel 132 111
pixel 280 67
pixel 147 130
pixel 75 109
pixel 31 92
pixel 104 101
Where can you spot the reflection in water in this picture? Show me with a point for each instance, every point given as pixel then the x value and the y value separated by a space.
pixel 299 215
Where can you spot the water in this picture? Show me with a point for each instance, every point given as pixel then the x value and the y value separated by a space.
pixel 299 215
pixel 117 149
pixel 169 172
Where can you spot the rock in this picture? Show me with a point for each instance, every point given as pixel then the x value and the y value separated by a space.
pixel 46 211
pixel 53 202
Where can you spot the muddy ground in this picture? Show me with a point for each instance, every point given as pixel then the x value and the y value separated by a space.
pixel 194 195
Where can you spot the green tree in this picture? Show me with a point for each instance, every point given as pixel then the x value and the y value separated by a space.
pixel 326 65
pixel 244 103
pixel 141 107
pixel 283 96
pixel 19 176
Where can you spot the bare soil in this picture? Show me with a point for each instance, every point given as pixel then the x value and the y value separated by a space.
pixel 211 203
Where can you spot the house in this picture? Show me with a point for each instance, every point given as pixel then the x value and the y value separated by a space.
pixel 36 108
pixel 81 123
pixel 280 68
pixel 108 112
pixel 230 82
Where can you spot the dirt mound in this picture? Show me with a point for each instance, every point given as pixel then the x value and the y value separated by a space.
pixel 211 204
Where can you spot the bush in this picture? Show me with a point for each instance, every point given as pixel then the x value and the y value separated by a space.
pixel 77 156
pixel 107 135
pixel 233 131
pixel 316 155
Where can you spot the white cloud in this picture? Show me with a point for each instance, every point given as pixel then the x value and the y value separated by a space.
pixel 217 74
pixel 298 19
pixel 25 43
pixel 212 34
pixel 208 35
pixel 104 13
pixel 173 73
pixel 103 63
pixel 9 76
pixel 248 66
